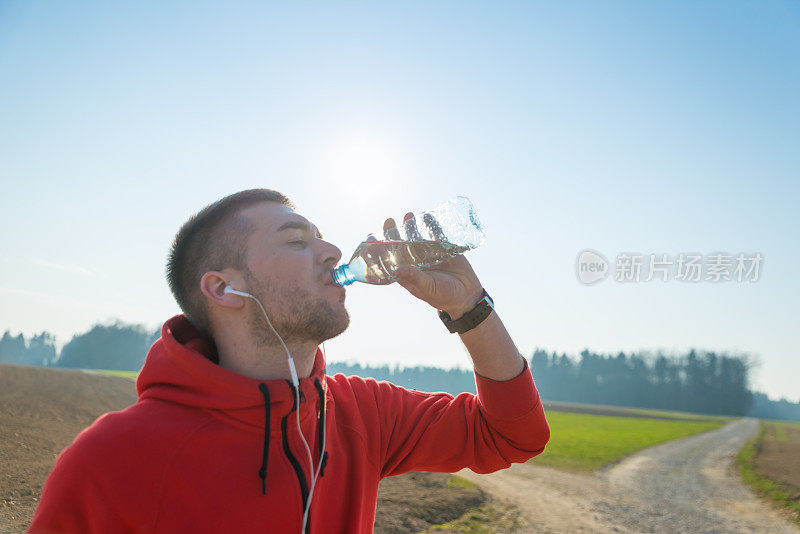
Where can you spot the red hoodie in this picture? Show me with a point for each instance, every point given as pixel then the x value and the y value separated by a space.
pixel 189 455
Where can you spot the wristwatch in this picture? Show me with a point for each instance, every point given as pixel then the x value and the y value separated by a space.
pixel 472 318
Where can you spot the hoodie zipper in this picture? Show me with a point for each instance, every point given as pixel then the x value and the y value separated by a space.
pixel 301 478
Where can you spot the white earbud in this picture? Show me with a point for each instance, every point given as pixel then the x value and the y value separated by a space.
pixel 229 289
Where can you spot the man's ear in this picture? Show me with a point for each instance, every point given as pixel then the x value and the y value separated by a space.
pixel 213 284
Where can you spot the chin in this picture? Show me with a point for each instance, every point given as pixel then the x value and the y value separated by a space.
pixel 342 327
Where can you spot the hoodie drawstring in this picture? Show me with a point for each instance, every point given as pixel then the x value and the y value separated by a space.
pixel 321 427
pixel 262 473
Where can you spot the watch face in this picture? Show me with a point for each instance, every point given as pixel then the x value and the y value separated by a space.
pixel 488 300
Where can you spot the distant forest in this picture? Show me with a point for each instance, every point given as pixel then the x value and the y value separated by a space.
pixel 701 382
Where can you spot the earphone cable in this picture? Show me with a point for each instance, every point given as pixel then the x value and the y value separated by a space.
pixel 314 474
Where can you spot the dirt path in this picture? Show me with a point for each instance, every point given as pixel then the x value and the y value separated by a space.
pixel 687 485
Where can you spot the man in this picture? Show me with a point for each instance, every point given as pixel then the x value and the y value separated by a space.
pixel 213 443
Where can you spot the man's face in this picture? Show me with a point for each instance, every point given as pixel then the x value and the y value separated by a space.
pixel 288 270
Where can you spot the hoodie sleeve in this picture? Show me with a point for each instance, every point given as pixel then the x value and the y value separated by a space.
pixel 504 423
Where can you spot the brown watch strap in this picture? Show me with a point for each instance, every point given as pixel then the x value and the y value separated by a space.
pixel 472 318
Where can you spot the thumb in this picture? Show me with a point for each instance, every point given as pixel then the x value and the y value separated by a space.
pixel 407 272
pixel 415 281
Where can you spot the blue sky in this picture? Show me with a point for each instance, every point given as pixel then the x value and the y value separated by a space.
pixel 621 127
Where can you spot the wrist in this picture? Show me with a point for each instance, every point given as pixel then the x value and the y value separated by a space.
pixel 458 310
pixel 470 318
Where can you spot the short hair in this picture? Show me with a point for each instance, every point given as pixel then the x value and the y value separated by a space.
pixel 211 240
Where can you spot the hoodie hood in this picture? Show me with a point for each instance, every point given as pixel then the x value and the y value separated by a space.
pixel 180 369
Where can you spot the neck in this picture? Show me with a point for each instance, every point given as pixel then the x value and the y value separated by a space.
pixel 242 355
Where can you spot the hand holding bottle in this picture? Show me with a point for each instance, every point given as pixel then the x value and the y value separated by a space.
pixel 451 285
pixel 424 240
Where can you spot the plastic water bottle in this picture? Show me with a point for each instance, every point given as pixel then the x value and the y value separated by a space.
pixel 425 240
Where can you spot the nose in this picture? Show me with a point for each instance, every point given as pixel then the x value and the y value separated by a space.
pixel 330 254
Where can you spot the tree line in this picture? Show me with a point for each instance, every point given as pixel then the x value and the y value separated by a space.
pixel 694 382
pixel 116 346
pixel 701 382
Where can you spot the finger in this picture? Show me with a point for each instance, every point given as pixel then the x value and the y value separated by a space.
pixel 435 229
pixel 414 281
pixel 410 226
pixel 458 266
pixel 396 252
pixel 406 272
pixel 390 231
pixel 383 251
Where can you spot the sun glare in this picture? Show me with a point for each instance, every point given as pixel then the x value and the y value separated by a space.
pixel 363 169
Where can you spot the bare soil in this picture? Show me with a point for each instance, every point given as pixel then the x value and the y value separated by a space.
pixel 414 501
pixel 779 460
pixel 43 410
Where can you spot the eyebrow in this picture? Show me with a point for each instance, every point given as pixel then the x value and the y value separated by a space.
pixel 297 225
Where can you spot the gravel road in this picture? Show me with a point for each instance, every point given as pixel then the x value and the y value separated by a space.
pixel 686 485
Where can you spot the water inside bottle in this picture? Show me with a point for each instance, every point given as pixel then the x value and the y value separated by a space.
pixel 378 260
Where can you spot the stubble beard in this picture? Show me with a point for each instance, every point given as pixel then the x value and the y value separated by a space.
pixel 302 319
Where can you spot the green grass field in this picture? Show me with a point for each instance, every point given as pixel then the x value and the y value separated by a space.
pixel 124 374
pixel 583 442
